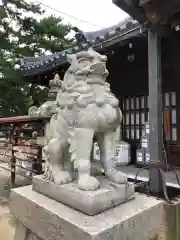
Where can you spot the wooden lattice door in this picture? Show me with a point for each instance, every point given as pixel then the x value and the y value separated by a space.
pixel 136 112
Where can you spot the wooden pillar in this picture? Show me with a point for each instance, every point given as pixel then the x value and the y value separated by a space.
pixel 155 111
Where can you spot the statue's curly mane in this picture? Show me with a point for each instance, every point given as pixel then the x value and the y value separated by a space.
pixel 86 70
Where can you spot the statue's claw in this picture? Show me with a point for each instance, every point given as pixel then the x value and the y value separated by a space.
pixel 45 173
pixel 117 177
pixel 88 183
pixel 48 173
pixel 47 176
pixel 62 177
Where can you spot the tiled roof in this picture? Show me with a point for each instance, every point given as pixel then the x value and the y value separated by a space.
pixel 98 40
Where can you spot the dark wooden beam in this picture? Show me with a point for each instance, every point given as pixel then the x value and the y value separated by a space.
pixel 155 110
pixel 142 2
pixel 155 12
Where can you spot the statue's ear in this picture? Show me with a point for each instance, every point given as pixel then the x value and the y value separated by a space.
pixel 70 57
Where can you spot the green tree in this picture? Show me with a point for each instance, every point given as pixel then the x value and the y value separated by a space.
pixel 24 31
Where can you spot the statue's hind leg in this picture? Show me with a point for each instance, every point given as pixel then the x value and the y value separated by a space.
pixel 56 169
pixel 106 143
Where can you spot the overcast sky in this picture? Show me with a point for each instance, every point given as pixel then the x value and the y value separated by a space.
pixel 102 13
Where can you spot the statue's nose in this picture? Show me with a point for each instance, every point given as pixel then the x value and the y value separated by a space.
pixel 98 67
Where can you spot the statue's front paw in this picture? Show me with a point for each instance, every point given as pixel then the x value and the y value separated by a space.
pixel 62 177
pixel 117 177
pixel 88 183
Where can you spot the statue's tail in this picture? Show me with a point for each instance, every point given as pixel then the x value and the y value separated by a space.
pixel 120 115
pixel 50 127
pixel 118 136
pixel 118 132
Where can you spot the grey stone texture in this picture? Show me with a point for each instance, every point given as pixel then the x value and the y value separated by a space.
pixel 139 219
pixel 20 233
pixel 23 233
pixel 89 202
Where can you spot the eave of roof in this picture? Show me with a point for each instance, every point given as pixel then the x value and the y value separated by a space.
pixel 22 119
pixel 132 8
pixel 152 12
pixel 37 65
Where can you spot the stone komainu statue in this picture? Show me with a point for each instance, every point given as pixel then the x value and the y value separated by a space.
pixel 85 107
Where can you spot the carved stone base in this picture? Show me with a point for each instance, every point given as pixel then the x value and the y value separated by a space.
pixel 88 202
pixel 41 218
pixel 23 233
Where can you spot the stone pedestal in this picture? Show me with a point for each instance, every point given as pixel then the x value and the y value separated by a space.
pixel 41 218
pixel 89 202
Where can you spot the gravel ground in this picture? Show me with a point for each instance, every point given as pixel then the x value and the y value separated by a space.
pixel 7 223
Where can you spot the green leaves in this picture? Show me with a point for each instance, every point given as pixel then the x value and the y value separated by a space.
pixel 21 34
pixel 50 34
